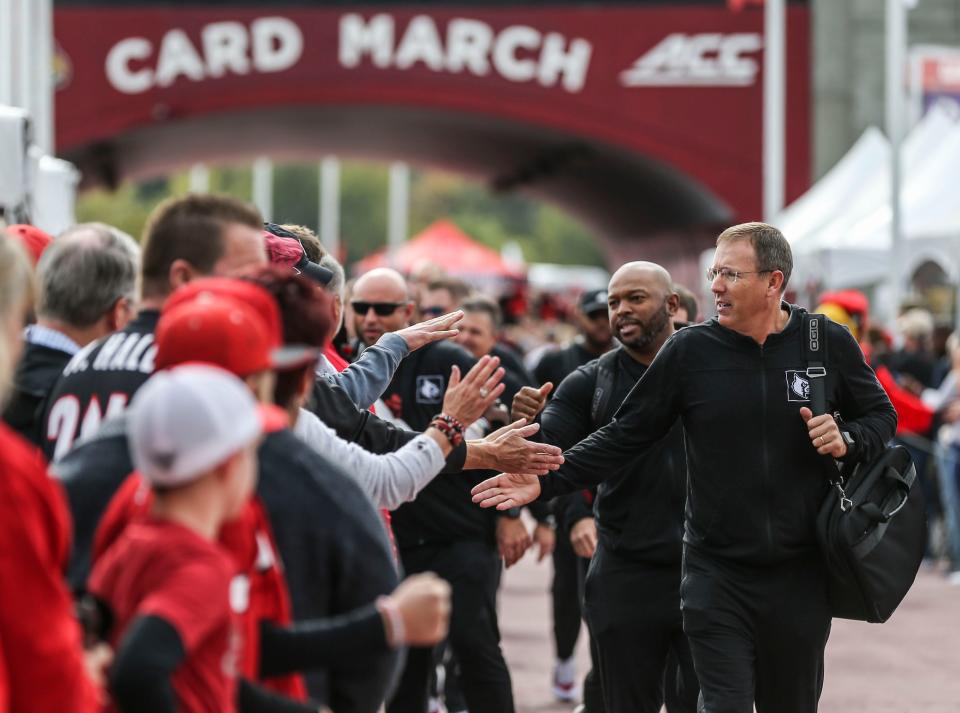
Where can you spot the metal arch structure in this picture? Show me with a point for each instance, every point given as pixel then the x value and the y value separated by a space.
pixel 643 118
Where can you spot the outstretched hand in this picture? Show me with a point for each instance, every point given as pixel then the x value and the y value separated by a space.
pixel 512 453
pixel 432 330
pixel 824 433
pixel 507 490
pixel 467 399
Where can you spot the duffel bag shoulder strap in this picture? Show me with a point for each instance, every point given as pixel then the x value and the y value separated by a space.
pixel 815 355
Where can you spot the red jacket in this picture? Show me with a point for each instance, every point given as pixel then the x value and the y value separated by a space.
pixel 913 416
pixel 249 540
pixel 42 641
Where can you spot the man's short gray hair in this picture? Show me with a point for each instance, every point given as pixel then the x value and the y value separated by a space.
pixel 771 248
pixel 335 286
pixel 85 271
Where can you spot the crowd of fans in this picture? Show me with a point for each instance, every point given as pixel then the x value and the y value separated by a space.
pixel 234 480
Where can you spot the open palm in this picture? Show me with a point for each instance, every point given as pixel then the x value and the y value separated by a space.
pixel 507 490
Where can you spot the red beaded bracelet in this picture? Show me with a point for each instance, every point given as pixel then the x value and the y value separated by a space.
pixel 449 427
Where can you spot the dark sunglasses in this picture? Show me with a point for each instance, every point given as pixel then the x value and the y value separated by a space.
pixel 381 309
pixel 432 311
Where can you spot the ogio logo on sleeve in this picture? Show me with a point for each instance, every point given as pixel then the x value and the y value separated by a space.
pixel 798 385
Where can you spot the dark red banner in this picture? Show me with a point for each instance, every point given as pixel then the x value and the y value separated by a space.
pixel 681 84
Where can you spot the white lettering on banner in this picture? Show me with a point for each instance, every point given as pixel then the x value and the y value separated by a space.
pixel 358 39
pixel 277 44
pixel 506 53
pixel 703 60
pixel 518 53
pixel 225 47
pixel 420 43
pixel 272 44
pixel 178 58
pixel 468 46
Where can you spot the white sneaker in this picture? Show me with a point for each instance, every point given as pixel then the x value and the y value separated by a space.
pixel 565 686
pixel 954 578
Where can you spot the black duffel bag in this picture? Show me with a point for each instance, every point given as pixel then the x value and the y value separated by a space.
pixel 872 525
pixel 872 530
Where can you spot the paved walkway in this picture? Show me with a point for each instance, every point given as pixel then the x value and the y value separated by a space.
pixel 909 665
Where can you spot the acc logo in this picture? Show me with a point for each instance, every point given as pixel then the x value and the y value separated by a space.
pixel 429 389
pixel 798 386
pixel 709 59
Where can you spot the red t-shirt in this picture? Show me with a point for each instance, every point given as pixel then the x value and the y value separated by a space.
pixel 163 569
pixel 43 667
pixel 259 589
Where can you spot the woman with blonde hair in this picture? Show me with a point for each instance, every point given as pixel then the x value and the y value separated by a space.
pixel 42 663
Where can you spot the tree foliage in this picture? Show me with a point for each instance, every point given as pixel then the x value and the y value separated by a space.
pixel 544 232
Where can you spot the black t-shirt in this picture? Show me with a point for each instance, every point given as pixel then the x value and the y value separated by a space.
pixel 98 383
pixel 443 511
pixel 37 372
pixel 639 509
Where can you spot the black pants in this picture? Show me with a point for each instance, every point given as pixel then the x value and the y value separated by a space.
pixel 592 687
pixel 473 571
pixel 566 597
pixel 757 633
pixel 633 610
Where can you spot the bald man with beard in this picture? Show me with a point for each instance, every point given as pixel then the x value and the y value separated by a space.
pixel 632 589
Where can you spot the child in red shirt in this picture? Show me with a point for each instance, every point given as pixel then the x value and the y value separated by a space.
pixel 193 434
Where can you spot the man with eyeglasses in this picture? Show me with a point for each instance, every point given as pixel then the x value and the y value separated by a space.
pixel 753 593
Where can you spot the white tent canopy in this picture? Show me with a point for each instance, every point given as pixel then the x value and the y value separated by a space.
pixel 819 205
pixel 851 248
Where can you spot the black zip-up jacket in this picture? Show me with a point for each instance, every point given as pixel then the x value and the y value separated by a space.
pixel 756 481
pixel 37 372
pixel 639 508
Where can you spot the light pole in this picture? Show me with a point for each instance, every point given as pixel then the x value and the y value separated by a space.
pixel 896 54
pixel 329 220
pixel 774 107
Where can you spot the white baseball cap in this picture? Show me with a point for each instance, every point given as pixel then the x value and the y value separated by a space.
pixel 189 419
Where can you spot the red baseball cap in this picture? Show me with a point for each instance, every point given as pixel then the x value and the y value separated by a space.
pixel 32 238
pixel 282 356
pixel 214 330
